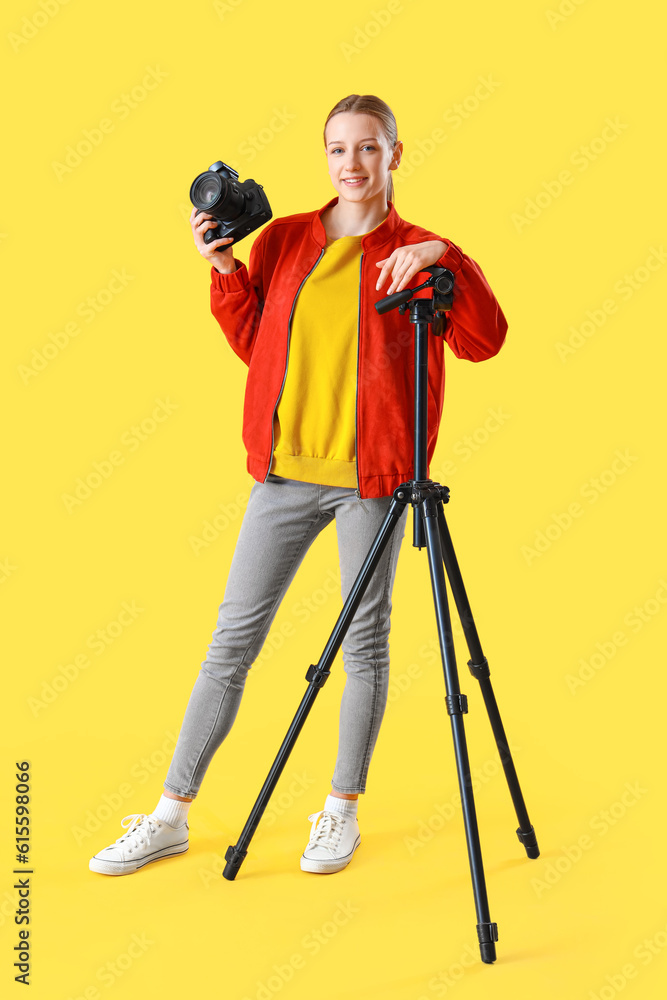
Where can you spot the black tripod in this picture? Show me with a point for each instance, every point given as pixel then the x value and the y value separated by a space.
pixel 431 531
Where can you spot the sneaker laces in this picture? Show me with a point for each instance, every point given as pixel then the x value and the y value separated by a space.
pixel 140 827
pixel 328 831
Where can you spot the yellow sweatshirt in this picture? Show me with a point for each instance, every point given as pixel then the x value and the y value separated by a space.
pixel 314 426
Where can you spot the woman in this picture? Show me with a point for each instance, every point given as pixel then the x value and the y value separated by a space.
pixel 328 429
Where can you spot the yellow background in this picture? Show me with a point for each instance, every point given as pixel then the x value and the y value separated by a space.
pixel 399 923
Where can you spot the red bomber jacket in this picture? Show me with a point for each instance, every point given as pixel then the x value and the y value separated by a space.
pixel 254 307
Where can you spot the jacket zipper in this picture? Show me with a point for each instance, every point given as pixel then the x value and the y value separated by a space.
pixel 289 333
pixel 356 397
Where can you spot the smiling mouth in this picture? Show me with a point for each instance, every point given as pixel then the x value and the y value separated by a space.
pixel 354 181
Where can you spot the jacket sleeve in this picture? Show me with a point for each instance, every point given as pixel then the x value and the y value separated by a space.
pixel 476 325
pixel 237 300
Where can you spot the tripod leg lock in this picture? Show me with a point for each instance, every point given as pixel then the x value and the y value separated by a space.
pixel 234 858
pixel 457 704
pixel 487 935
pixel 529 840
pixel 487 932
pixel 317 677
pixel 479 670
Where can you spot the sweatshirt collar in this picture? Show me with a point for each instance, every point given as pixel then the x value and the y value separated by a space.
pixel 369 241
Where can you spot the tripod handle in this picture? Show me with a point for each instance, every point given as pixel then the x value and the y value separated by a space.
pixel 442 282
pixel 391 301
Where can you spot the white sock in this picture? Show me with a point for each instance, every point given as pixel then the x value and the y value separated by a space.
pixel 172 811
pixel 348 807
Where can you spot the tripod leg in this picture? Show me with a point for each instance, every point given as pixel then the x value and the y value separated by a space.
pixel 479 668
pixel 317 675
pixel 457 705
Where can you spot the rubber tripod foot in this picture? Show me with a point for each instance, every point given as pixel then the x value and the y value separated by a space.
pixel 529 841
pixel 487 935
pixel 234 859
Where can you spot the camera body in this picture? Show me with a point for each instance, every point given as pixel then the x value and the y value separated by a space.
pixel 239 207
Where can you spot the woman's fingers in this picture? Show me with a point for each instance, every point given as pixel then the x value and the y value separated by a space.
pixel 200 223
pixel 387 265
pixel 197 218
pixel 206 223
pixel 403 271
pixel 401 265
pixel 406 262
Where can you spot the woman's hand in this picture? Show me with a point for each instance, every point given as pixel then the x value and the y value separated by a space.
pixel 405 262
pixel 221 261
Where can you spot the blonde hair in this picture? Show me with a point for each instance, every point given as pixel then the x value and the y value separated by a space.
pixel 370 105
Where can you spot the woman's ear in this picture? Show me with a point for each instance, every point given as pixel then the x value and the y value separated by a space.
pixel 396 158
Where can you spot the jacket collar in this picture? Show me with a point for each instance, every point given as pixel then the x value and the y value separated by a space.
pixel 370 241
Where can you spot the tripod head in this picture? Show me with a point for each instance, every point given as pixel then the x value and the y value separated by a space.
pixel 442 283
pixel 423 311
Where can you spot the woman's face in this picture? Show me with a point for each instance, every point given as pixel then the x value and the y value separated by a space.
pixel 358 155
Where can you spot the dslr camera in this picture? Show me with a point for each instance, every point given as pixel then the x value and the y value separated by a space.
pixel 239 208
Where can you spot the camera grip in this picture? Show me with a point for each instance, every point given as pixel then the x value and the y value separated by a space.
pixel 211 235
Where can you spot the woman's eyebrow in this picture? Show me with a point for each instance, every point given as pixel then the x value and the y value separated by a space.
pixel 339 142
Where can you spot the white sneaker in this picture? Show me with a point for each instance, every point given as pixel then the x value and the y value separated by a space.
pixel 146 839
pixel 333 840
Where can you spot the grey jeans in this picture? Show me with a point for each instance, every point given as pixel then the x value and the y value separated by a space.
pixel 282 519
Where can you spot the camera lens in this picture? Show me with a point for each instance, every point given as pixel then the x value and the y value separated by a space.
pixel 208 190
pixel 213 193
